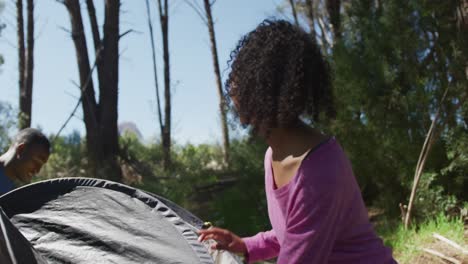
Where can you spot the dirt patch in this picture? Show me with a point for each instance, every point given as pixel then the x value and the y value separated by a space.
pixel 441 247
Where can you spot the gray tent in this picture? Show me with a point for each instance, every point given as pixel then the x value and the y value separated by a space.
pixel 83 220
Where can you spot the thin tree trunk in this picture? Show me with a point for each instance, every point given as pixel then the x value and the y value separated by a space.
pixel 334 8
pixel 427 146
pixel 26 62
pixel 293 8
pixel 155 72
pixel 96 38
pixel 222 101
pixel 21 63
pixel 166 136
pixel 28 75
pixel 310 18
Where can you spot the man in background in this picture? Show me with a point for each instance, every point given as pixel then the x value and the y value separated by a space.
pixel 28 152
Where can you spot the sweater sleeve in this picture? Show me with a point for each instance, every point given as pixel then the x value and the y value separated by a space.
pixel 263 245
pixel 312 223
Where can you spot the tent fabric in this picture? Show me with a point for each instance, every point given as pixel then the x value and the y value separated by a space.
pixel 83 220
pixel 14 247
pixel 20 199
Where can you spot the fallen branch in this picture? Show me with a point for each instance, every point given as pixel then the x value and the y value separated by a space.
pixel 451 243
pixel 442 256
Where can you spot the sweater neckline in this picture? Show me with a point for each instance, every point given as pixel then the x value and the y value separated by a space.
pixel 310 153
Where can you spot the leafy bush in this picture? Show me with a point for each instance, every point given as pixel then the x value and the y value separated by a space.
pixel 7 123
pixel 67 159
pixel 242 208
pixel 431 199
pixel 233 197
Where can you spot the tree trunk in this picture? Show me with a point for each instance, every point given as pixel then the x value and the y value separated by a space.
pixel 334 8
pixel 155 71
pixel 100 119
pixel 108 91
pixel 22 117
pixel 310 17
pixel 222 101
pixel 88 95
pixel 28 75
pixel 26 62
pixel 166 136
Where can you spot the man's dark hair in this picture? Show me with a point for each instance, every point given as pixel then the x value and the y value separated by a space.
pixel 278 74
pixel 31 136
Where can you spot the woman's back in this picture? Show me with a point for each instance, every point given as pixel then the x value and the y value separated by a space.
pixel 319 217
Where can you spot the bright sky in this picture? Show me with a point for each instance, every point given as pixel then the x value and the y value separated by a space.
pixel 195 100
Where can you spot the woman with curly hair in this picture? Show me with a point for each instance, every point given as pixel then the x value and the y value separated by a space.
pixel 278 78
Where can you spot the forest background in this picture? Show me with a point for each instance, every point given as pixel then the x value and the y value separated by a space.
pixel 400 79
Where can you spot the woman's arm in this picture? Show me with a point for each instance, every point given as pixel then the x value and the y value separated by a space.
pixel 262 246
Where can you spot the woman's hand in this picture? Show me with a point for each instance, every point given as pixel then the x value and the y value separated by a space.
pixel 225 240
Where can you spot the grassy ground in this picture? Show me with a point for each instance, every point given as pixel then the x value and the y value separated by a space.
pixel 407 244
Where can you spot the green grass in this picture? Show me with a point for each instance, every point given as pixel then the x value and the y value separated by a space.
pixel 406 243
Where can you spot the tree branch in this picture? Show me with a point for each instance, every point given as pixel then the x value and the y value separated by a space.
pixel 155 72
pixel 442 256
pixel 65 29
pixel 126 32
pixel 83 89
pixel 198 11
pixel 451 243
pixel 94 24
pixel 293 8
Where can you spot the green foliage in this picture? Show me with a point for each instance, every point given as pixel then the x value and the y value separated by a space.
pixel 431 199
pixel 393 62
pixel 7 123
pixel 242 208
pixel 392 65
pixel 190 167
pixel 230 197
pixel 454 176
pixel 378 117
pixel 406 244
pixel 67 159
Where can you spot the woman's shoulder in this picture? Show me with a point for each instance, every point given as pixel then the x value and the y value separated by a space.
pixel 326 167
pixel 328 150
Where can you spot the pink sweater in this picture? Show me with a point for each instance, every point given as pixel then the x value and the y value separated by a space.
pixel 319 216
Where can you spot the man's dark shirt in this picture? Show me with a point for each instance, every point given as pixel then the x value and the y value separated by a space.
pixel 6 184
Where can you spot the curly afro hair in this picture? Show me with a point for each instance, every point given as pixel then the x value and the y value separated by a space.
pixel 278 74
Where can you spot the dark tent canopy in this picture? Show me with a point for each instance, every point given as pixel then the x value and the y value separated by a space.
pixel 83 220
